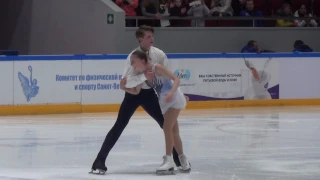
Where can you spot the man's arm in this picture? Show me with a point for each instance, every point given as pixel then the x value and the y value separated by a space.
pixel 134 91
pixel 129 71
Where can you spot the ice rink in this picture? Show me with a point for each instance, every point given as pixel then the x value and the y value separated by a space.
pixel 222 144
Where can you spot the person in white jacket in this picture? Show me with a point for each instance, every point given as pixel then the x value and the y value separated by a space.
pixel 221 8
pixel 302 12
pixel 198 9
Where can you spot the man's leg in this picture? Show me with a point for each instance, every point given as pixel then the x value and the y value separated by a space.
pixel 150 103
pixel 128 107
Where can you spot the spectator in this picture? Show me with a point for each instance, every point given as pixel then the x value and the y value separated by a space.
pixel 242 3
pixel 164 11
pixel 299 46
pixel 251 47
pixel 129 7
pixel 237 6
pixel 198 9
pixel 285 11
pixel 176 9
pixel 302 12
pixel 221 8
pixel 251 11
pixel 150 8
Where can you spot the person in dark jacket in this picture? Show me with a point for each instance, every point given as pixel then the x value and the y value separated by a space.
pixel 150 8
pixel 253 47
pixel 250 11
pixel 300 46
pixel 177 10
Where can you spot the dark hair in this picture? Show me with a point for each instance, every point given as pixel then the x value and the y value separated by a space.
pixel 141 55
pixel 250 43
pixel 298 43
pixel 142 29
pixel 285 5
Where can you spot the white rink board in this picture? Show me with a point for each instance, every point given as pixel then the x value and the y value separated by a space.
pixel 203 71
pixel 96 81
pixel 6 81
pixel 47 75
pixel 101 84
pixel 222 77
pixel 300 77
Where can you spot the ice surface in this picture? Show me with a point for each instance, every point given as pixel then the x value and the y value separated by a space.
pixel 222 144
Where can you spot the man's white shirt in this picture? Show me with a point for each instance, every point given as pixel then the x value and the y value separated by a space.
pixel 156 56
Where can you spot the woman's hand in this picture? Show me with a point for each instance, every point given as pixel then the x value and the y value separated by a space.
pixel 169 97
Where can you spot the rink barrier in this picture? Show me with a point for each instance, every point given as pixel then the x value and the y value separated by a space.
pixel 77 108
pixel 210 81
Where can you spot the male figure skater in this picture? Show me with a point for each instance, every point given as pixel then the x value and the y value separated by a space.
pixel 147 98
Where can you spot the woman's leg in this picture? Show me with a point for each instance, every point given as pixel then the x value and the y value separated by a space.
pixel 172 138
pixel 185 165
pixel 176 138
pixel 170 119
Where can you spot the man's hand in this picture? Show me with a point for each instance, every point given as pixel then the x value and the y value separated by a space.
pixel 123 83
pixel 149 75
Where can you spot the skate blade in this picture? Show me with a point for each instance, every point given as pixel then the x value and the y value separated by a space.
pixel 166 172
pixel 185 171
pixel 98 172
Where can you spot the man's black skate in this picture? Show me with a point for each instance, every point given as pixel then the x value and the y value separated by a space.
pixel 98 168
pixel 176 158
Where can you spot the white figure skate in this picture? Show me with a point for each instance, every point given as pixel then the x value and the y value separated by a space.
pixel 167 167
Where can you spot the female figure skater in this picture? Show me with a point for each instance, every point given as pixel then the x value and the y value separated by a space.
pixel 171 101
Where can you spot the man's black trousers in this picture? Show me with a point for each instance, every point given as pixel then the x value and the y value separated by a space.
pixel 148 100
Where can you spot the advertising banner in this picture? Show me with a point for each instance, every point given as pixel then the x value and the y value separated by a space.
pixel 228 78
pixel 100 81
pixel 46 82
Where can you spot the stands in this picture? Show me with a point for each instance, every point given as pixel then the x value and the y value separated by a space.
pixel 268 8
